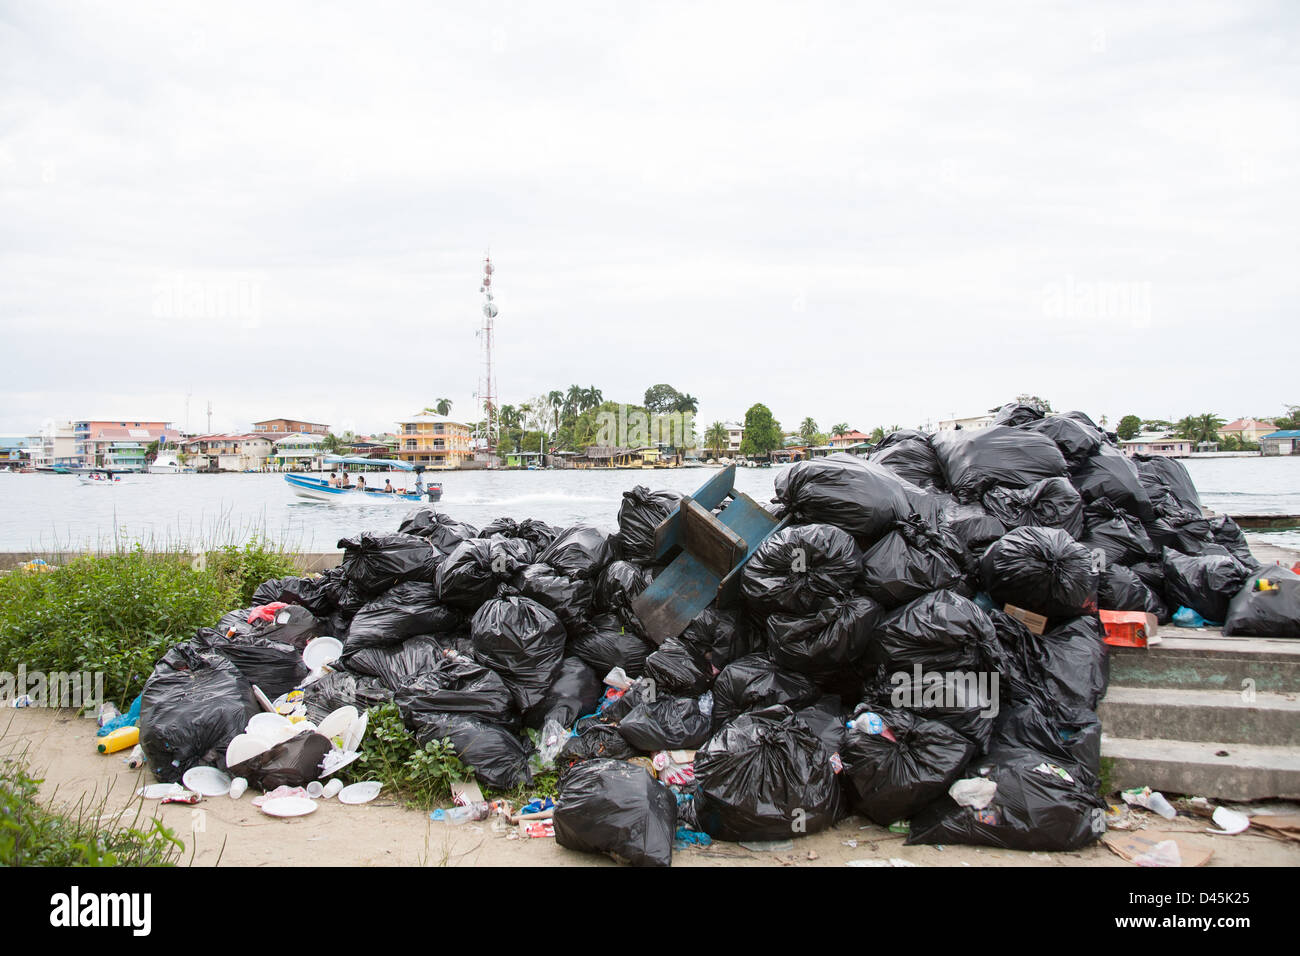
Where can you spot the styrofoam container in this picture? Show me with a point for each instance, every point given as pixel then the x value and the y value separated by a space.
pixel 245 747
pixel 322 651
pixel 207 781
pixel 361 792
pixel 338 722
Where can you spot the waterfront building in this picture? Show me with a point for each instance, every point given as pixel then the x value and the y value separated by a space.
pixel 1158 443
pixel 290 426
pixel 434 441
pixel 117 445
pixel 1285 442
pixel 298 452
pixel 1247 429
pixel 245 452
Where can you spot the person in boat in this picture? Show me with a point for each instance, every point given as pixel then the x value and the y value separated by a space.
pixel 388 487
pixel 334 479
pixel 361 482
pixel 344 480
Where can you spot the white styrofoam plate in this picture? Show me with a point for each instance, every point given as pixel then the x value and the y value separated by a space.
pixel 289 806
pixel 361 792
pixel 207 781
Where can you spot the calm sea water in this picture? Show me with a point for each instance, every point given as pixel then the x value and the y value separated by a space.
pixel 56 512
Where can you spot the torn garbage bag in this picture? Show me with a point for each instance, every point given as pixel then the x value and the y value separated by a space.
pixel 286 625
pixel 594 742
pixel 965 701
pixel 766 776
pixel 1038 805
pixel 310 593
pixel 1042 570
pixel 615 807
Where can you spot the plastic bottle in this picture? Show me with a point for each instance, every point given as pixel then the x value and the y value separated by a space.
pixel 868 723
pixel 135 759
pixel 119 739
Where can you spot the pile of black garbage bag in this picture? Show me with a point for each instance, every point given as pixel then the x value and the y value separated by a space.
pixel 876 660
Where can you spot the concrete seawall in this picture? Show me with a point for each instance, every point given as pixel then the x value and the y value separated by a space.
pixel 306 561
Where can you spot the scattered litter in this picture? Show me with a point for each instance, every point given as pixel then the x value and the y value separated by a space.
pixel 361 792
pixel 768 846
pixel 892 861
pixel 1149 799
pixel 976 792
pixel 289 806
pixel 1155 848
pixel 159 791
pixel 207 781
pixel 1229 821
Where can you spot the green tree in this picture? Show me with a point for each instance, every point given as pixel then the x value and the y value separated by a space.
pixel 686 403
pixel 333 444
pixel 661 398
pixel 555 398
pixel 839 429
pixel 716 438
pixel 1289 421
pixel 1042 404
pixel 808 430
pixel 441 407
pixel 1199 428
pixel 1128 427
pixel 762 432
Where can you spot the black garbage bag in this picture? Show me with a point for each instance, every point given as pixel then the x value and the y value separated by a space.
pixel 570 599
pixel 595 741
pixel 190 710
pixel 521 641
pixel 1042 570
pixel 579 551
pixel 1205 583
pixel 1162 475
pixel 892 774
pixel 911 560
pixel 797 568
pixel 1076 661
pixel 677 667
pixel 974 528
pixel 754 682
pixel 1077 440
pixel 457 685
pixel 466 577
pixel 1228 534
pixel 442 531
pixel 576 691
pixel 1038 805
pixel 1110 475
pixel 942 631
pixel 1071 737
pixel 722 635
pixel 295 762
pixel 615 807
pixel 661 721
pixel 618 583
pixel 1268 605
pixel 1182 530
pixel 1152 574
pixel 974 461
pixel 640 513
pixel 342 689
pixel 401 612
pixel 832 637
pixel 274 667
pixel 860 497
pixel 498 756
pixel 907 453
pixel 1117 534
pixel 766 776
pixel 1050 503
pixel 506 527
pixel 1018 413
pixel 825 717
pixel 609 643
pixel 290 625
pixel 511 555
pixel 395 664
pixel 376 562
pixel 310 593
pixel 1120 589
pixel 964 700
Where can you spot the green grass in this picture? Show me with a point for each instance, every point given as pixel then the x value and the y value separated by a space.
pixel 34 834
pixel 118 612
pixel 1106 785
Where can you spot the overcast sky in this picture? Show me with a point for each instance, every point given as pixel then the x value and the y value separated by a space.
pixel 879 214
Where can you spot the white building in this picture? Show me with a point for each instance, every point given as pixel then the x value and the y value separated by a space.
pixel 972 423
pixel 735 435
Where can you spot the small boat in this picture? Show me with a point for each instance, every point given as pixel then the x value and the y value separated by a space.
pixel 167 463
pixel 98 478
pixel 318 489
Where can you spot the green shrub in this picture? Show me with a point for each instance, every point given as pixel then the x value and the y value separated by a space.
pixel 421 775
pixel 118 612
pixel 32 834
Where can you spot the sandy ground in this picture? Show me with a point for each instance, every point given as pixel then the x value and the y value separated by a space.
pixel 60 749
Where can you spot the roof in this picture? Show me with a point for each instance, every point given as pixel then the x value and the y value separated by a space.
pixel 300 421
pixel 1289 433
pixel 435 419
pixel 243 436
pixel 1146 438
pixel 854 434
pixel 1241 424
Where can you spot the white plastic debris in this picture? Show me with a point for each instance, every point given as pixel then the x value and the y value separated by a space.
pixel 974 792
pixel 1229 822
pixel 1164 853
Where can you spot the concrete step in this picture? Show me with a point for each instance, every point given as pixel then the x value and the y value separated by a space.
pixel 1244 772
pixel 1161 713
pixel 1206 660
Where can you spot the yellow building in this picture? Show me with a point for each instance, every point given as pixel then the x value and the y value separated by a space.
pixel 433 441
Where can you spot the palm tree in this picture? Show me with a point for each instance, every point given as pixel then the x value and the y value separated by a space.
pixel 442 406
pixel 333 444
pixel 555 398
pixel 839 429
pixel 808 430
pixel 592 397
pixel 1208 426
pixel 716 438
pixel 686 403
pixel 573 401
